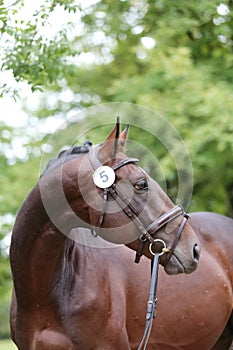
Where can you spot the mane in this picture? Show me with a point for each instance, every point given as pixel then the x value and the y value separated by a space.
pixel 66 154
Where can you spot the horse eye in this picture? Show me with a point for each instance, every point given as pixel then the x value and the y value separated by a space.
pixel 141 185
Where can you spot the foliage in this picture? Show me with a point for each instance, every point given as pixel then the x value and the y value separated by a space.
pixel 7 345
pixel 29 54
pixel 185 76
pixel 4 321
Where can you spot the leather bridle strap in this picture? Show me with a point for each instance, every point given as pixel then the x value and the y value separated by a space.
pixel 165 218
pixel 177 237
pixel 156 225
pixel 129 211
pixel 127 208
pixel 152 303
pixel 93 157
pixel 146 233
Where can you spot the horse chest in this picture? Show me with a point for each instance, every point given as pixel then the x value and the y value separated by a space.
pixel 40 331
pixel 50 340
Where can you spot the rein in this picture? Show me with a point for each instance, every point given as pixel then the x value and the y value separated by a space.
pixel 151 304
pixel 146 234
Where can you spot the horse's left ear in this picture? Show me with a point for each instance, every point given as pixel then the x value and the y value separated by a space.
pixel 114 143
pixel 122 138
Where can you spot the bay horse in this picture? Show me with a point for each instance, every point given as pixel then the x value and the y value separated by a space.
pixel 70 296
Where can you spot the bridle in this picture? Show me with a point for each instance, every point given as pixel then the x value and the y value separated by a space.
pixel 146 234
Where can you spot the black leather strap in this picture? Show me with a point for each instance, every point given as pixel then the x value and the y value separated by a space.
pixel 152 303
pixel 93 156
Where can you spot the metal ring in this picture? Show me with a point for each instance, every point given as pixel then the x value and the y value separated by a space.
pixel 142 238
pixel 157 240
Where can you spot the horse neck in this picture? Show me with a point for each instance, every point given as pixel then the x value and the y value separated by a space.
pixel 39 241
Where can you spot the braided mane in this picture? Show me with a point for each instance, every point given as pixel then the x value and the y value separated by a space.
pixel 66 154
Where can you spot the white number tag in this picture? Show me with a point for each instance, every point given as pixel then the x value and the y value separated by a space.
pixel 104 177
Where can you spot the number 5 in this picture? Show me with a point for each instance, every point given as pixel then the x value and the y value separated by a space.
pixel 103 176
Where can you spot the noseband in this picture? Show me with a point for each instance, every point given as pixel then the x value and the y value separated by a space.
pixel 146 232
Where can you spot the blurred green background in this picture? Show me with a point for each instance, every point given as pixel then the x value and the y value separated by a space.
pixel 60 57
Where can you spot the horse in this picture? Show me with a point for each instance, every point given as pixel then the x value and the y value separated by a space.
pixel 69 297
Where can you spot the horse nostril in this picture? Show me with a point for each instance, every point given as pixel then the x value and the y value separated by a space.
pixel 196 252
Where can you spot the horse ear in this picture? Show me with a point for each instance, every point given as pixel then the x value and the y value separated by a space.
pixel 110 146
pixel 122 138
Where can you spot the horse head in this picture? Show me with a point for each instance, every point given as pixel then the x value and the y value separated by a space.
pixel 120 202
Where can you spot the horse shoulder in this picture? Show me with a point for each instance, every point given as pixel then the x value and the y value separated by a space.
pixel 215 232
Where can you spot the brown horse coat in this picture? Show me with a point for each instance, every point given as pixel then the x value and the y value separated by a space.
pixel 99 298
pixel 73 297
